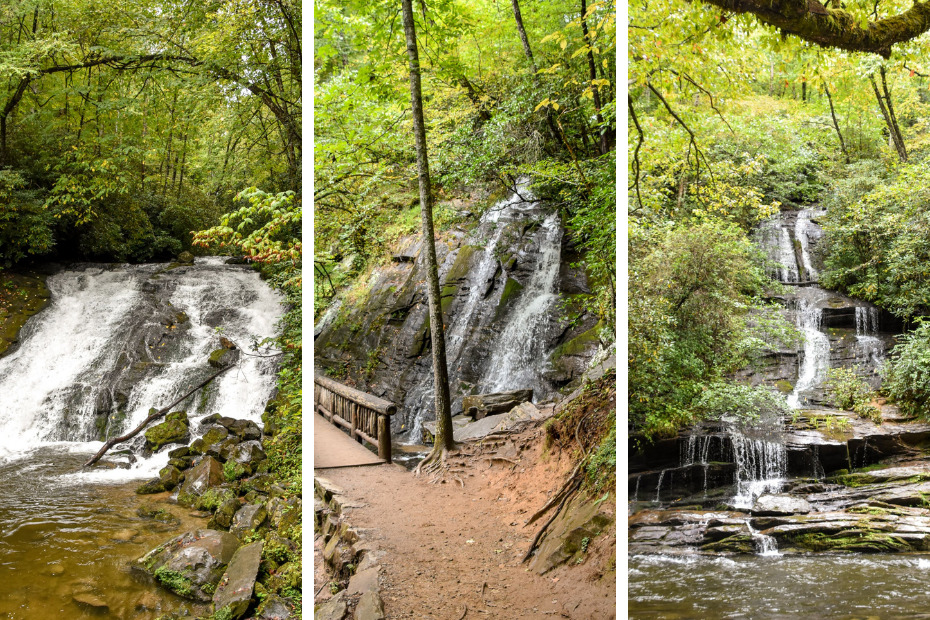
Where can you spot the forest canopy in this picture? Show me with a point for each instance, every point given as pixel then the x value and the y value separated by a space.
pixel 126 127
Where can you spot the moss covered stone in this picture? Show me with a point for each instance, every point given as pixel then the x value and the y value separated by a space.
pixel 21 296
pixel 512 288
pixel 175 429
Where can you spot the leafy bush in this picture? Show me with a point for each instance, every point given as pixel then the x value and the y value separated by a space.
pixel 741 404
pixel 850 392
pixel 906 375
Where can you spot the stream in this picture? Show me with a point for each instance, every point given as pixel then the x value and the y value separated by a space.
pixel 113 342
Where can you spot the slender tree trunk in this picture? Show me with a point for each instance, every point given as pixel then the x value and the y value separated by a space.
pixel 607 137
pixel 891 114
pixel 896 138
pixel 835 123
pixel 523 38
pixel 444 439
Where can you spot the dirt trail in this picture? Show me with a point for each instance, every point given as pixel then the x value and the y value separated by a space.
pixel 450 548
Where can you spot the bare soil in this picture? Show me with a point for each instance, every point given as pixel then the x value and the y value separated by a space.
pixel 454 550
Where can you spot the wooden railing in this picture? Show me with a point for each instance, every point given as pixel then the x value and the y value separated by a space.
pixel 363 415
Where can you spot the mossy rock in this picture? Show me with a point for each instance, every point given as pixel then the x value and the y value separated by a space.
pixel 220 358
pixel 155 485
pixel 512 288
pixel 175 429
pixel 738 543
pixel 784 386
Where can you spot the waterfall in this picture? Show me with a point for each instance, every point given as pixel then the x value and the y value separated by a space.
pixel 765 545
pixel 775 238
pixel 519 356
pixel 806 231
pixel 659 485
pixel 815 357
pixel 870 349
pixel 761 467
pixel 117 340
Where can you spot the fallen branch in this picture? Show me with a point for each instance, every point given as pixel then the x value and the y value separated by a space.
pixel 154 416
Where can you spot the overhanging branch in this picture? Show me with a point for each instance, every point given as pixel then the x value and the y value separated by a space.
pixel 836 28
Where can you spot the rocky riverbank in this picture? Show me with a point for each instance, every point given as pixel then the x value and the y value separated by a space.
pixel 246 557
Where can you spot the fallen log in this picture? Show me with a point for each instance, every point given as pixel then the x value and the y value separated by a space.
pixel 152 417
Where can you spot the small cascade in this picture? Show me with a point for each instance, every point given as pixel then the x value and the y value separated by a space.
pixel 818 471
pixel 659 486
pixel 765 545
pixel 775 238
pixel 805 232
pixel 815 357
pixel 866 321
pixel 761 467
pixel 870 349
pixel 636 489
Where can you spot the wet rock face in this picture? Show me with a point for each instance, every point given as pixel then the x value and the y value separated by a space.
pixel 175 429
pixel 207 474
pixel 382 342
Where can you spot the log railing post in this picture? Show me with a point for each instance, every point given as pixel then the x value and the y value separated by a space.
pixel 384 438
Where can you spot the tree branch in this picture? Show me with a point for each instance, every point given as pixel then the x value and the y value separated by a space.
pixel 836 28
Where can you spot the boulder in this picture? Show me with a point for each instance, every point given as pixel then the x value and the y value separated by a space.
pixel 186 257
pixel 275 607
pixel 482 405
pixel 155 485
pixel 205 475
pixel 220 358
pixel 170 477
pixel 224 514
pixel 370 607
pixel 244 429
pixel 777 505
pixel 248 519
pixel 333 609
pixel 175 429
pixel 234 593
pixel 248 454
pixel 192 564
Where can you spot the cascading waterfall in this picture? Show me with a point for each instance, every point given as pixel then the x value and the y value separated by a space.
pixel 775 238
pixel 76 363
pixel 870 348
pixel 761 467
pixel 815 357
pixel 806 231
pixel 516 358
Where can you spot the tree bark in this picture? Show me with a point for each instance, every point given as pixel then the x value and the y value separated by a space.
pixel 835 123
pixel 523 38
pixel 444 439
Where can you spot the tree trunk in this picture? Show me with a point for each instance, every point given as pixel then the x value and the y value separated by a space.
pixel 835 123
pixel 892 127
pixel 891 114
pixel 607 137
pixel 444 439
pixel 523 38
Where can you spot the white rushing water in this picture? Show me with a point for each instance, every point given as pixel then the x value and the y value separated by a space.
pixel 815 356
pixel 519 356
pixel 51 387
pixel 776 240
pixel 807 232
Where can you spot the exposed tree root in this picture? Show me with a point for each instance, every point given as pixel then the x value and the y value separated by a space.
pixel 437 466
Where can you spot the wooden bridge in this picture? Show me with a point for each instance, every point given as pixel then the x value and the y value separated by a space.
pixel 366 417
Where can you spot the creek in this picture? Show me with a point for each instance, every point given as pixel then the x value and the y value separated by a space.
pixel 727 521
pixel 113 342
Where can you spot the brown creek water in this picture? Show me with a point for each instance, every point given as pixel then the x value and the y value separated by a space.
pixel 788 586
pixel 67 536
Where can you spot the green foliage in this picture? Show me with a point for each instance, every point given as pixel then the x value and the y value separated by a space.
pixel 744 405
pixel 878 231
pixel 696 314
pixel 852 393
pixel 601 466
pixel 25 222
pixel 232 471
pixel 906 375
pixel 173 580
